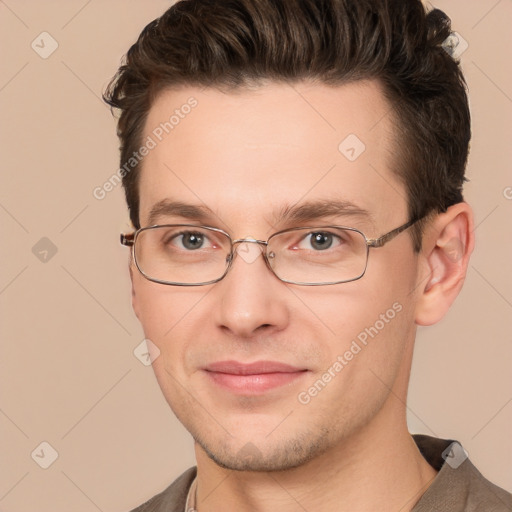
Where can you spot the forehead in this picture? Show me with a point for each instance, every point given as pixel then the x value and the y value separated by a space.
pixel 246 153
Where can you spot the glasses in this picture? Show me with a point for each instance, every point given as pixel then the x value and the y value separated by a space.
pixel 190 255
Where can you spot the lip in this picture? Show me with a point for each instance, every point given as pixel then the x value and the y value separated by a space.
pixel 252 378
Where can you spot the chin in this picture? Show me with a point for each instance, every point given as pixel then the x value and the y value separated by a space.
pixel 265 456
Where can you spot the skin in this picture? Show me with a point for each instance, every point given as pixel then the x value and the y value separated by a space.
pixel 245 155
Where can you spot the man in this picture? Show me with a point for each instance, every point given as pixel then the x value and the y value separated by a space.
pixel 293 171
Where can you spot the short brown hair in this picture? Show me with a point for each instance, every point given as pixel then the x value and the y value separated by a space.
pixel 230 44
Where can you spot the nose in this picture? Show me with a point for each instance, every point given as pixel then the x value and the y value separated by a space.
pixel 250 299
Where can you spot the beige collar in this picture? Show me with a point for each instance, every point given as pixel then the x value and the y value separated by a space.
pixel 190 504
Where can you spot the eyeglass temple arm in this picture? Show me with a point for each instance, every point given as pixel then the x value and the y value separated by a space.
pixel 379 242
pixel 128 239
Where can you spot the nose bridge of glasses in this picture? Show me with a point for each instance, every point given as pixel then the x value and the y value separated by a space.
pixel 249 248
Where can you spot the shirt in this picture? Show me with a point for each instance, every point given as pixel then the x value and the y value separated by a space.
pixel 457 487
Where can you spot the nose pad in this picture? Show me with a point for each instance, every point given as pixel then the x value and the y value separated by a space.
pixel 249 250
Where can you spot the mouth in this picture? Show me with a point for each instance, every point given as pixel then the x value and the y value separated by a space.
pixel 252 378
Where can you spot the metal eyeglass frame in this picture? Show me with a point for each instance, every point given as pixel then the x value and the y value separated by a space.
pixel 130 239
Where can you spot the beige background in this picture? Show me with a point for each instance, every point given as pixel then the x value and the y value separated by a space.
pixel 68 373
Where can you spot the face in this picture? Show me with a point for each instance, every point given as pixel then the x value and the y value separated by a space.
pixel 268 375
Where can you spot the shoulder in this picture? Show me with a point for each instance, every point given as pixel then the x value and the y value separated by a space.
pixel 483 495
pixel 458 486
pixel 173 498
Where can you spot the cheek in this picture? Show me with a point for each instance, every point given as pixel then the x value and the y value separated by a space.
pixel 160 307
pixel 152 304
pixel 367 322
pixel 168 318
pixel 347 310
pixel 364 357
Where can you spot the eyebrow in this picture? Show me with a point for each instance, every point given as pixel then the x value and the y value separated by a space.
pixel 289 214
pixel 169 208
pixel 313 210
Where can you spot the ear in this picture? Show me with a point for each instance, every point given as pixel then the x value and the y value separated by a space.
pixel 447 245
pixel 135 302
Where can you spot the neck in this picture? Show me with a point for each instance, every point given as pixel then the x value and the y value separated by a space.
pixel 379 468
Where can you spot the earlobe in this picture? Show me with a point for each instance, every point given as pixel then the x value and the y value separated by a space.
pixel 447 246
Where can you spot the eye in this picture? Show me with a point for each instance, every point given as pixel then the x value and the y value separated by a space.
pixel 192 240
pixel 319 241
pixel 189 240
